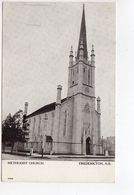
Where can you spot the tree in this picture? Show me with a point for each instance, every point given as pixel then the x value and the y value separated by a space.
pixel 14 129
pixel 6 129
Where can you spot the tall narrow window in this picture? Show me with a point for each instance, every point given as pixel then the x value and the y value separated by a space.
pixel 65 123
pixel 52 122
pixel 39 125
pixel 77 70
pixel 89 77
pixel 84 75
pixel 34 124
pixel 72 77
pixel 45 122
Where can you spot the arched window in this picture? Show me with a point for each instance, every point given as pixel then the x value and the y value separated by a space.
pixel 84 75
pixel 34 121
pixel 65 123
pixel 89 77
pixel 86 108
pixel 72 76
pixel 45 122
pixel 39 125
pixel 52 124
pixel 76 73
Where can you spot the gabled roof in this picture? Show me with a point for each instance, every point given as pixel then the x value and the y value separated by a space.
pixel 46 108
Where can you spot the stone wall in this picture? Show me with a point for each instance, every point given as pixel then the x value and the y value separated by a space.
pixel 66 125
pixel 41 125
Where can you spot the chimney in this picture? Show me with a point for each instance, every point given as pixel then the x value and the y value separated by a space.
pixel 58 101
pixel 98 105
pixel 25 108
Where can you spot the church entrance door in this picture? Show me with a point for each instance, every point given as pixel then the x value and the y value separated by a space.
pixel 88 146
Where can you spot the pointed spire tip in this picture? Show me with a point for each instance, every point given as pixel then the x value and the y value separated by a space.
pixel 82 36
pixel 83 6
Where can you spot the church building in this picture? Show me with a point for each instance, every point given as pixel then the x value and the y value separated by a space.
pixel 71 125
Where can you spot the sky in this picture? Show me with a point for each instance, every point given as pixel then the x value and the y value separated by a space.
pixel 37 38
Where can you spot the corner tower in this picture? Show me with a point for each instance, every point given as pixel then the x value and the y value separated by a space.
pixel 81 77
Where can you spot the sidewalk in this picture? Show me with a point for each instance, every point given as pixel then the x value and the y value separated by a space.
pixel 36 155
pixel 59 157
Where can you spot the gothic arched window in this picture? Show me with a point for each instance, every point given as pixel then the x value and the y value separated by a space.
pixel 84 75
pixel 34 121
pixel 89 77
pixel 76 73
pixel 65 123
pixel 52 124
pixel 72 71
pixel 45 122
pixel 86 108
pixel 39 124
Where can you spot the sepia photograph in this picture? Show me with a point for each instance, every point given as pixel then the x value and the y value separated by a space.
pixel 58 82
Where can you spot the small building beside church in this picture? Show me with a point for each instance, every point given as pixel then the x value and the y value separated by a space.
pixel 71 125
pixel 108 144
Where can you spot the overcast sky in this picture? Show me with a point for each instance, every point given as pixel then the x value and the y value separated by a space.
pixel 36 42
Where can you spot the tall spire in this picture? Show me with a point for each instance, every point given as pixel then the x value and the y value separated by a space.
pixel 82 37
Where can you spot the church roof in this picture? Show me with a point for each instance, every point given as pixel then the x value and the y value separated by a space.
pixel 46 108
pixel 82 37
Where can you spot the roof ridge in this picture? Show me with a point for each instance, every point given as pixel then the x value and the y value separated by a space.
pixel 46 108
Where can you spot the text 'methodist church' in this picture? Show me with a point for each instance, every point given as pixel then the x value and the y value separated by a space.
pixel 70 125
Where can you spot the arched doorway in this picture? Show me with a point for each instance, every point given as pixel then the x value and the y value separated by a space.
pixel 88 146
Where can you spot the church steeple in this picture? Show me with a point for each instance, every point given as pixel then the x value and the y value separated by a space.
pixel 81 77
pixel 82 37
